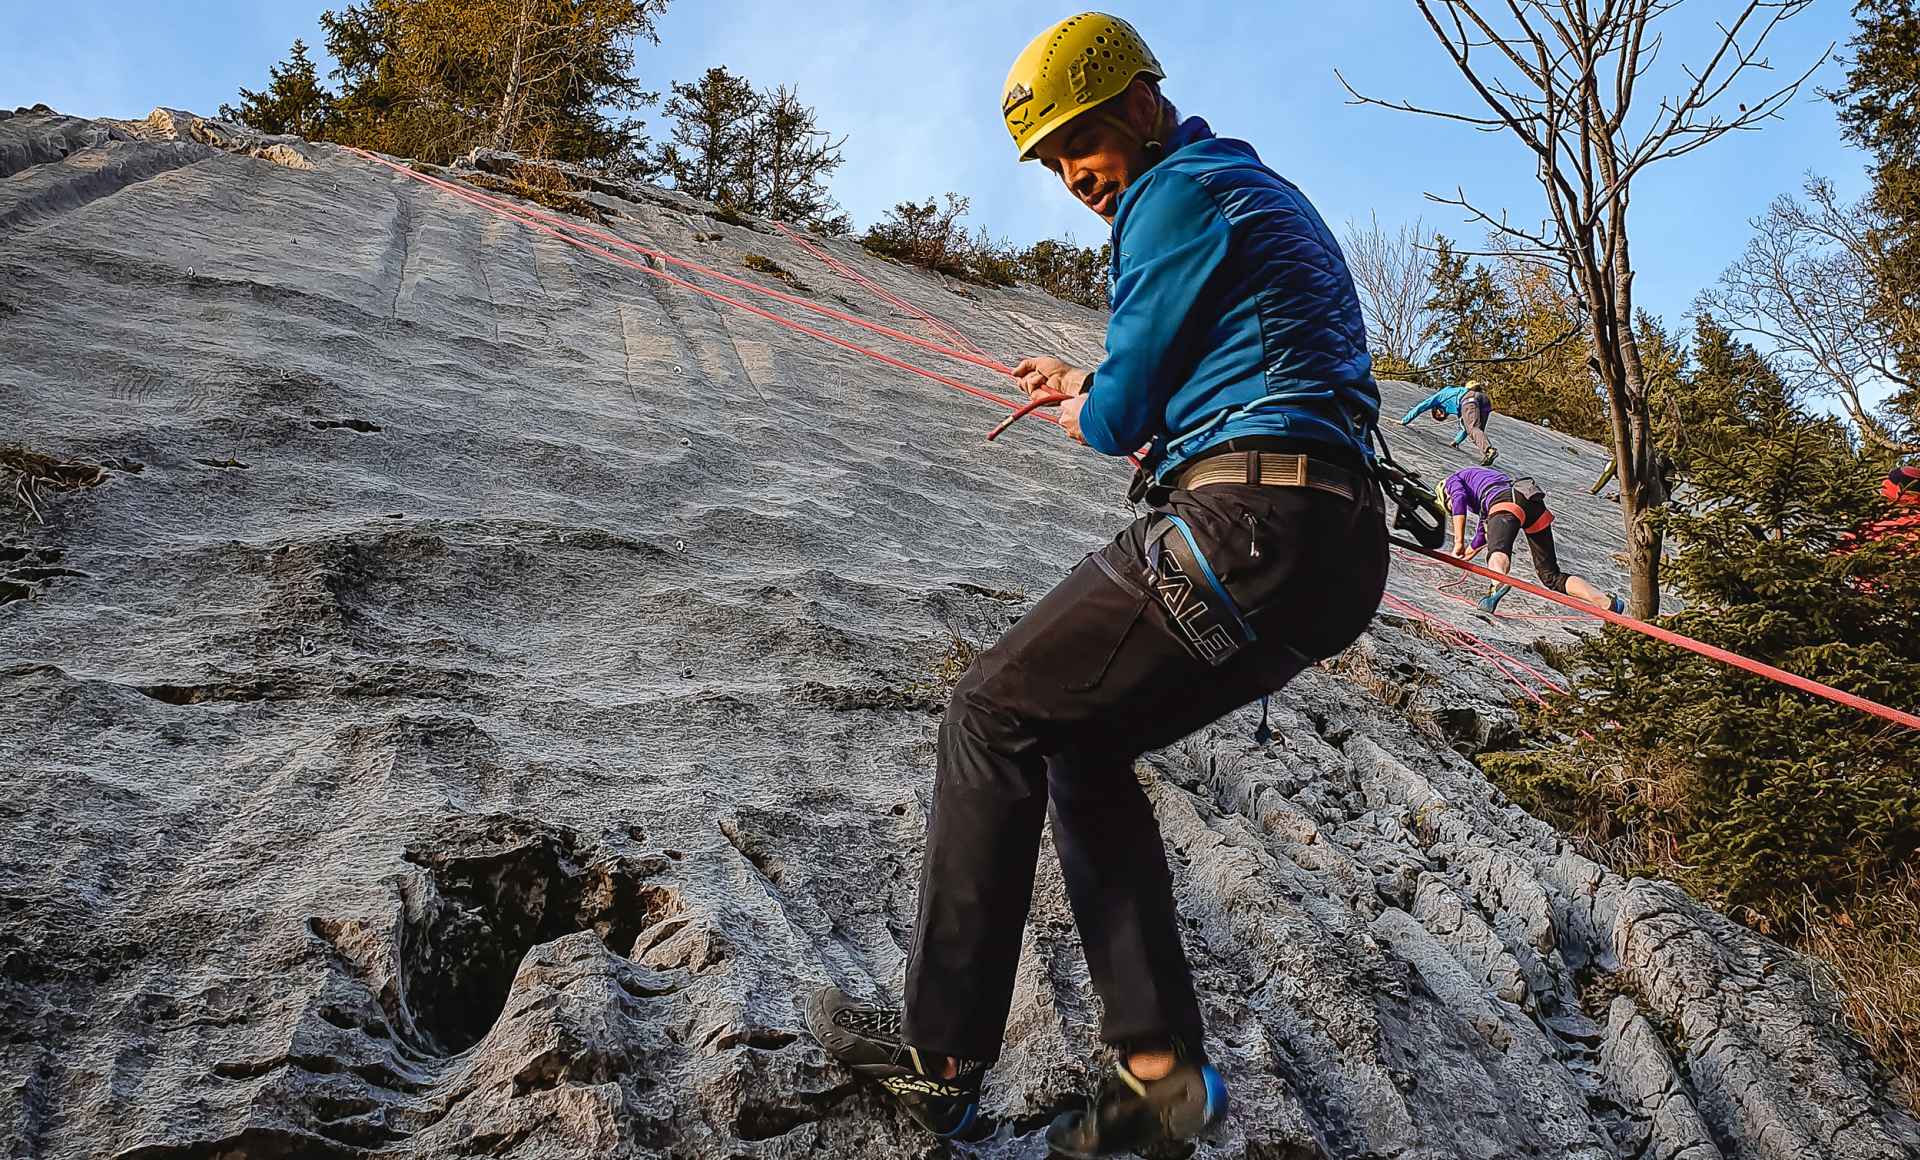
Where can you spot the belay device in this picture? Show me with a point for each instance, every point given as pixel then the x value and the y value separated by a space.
pixel 1415 511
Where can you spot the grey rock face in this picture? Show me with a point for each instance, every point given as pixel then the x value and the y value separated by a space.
pixel 489 686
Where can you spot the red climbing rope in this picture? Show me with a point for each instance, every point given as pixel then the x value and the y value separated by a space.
pixel 1447 591
pixel 563 230
pixel 855 276
pixel 1502 663
pixel 1033 404
pixel 940 325
pixel 1758 668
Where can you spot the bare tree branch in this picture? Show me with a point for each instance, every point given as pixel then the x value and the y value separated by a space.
pixel 1393 273
pixel 1806 286
pixel 1563 77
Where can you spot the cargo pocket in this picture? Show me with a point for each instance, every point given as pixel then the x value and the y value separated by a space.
pixel 1099 655
pixel 1105 634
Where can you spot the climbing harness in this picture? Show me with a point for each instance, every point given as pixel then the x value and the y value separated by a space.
pixel 1178 575
pixel 1204 616
pixel 1508 507
pixel 1273 469
pixel 1146 485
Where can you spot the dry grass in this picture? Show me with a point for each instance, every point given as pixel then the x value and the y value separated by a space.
pixel 540 185
pixel 731 216
pixel 765 265
pixel 1396 690
pixel 27 476
pixel 937 687
pixel 1871 950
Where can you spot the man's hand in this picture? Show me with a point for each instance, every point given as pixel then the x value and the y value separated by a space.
pixel 1070 417
pixel 1045 375
pixel 1462 551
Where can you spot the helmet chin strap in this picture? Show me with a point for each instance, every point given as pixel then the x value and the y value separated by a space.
pixel 1152 146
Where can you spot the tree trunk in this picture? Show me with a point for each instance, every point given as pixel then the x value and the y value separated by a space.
pixel 1644 542
pixel 507 123
pixel 1644 481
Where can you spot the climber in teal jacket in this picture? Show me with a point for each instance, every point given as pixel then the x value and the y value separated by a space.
pixel 1473 408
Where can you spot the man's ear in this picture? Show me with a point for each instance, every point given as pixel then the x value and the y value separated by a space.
pixel 1143 109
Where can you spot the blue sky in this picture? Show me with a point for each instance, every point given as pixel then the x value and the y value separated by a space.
pixel 916 88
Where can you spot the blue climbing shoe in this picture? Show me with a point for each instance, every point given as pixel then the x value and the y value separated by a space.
pixel 1617 605
pixel 1492 599
pixel 867 1040
pixel 1134 1115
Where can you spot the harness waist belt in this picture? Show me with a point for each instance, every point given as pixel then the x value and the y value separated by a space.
pixel 1508 507
pixel 1274 469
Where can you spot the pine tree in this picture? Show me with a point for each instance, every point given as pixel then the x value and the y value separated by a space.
pixel 294 101
pixel 1472 314
pixel 547 78
pixel 1512 326
pixel 1548 377
pixel 760 152
pixel 1879 108
pixel 715 150
pixel 1773 794
pixel 795 157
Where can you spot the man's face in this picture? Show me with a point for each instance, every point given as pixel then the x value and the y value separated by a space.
pixel 1095 159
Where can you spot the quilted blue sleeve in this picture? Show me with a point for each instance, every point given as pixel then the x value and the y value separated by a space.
pixel 1171 241
pixel 1425 404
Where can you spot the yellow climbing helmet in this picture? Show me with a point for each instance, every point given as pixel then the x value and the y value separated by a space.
pixel 1068 69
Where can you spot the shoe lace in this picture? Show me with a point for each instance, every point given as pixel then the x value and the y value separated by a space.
pixel 870 1022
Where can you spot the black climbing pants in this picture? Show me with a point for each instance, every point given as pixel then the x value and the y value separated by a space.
pixel 1048 723
pixel 1503 529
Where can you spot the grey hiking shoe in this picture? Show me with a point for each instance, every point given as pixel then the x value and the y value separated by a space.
pixel 1129 1114
pixel 867 1040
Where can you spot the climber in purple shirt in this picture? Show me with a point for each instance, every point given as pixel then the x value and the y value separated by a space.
pixel 1506 507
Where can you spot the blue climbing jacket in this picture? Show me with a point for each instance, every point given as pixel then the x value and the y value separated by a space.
pixel 1233 314
pixel 1446 399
